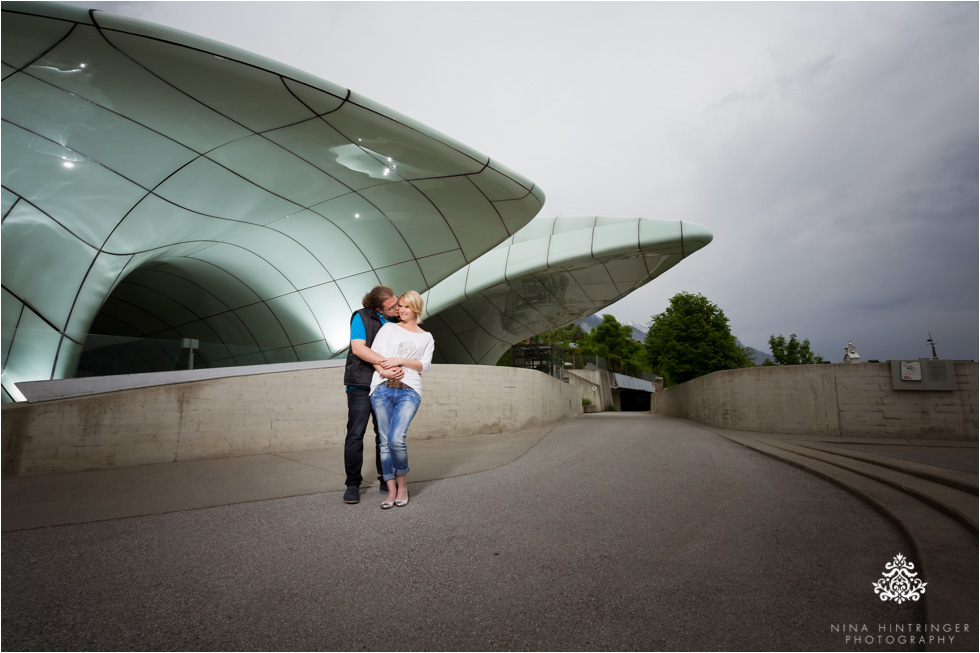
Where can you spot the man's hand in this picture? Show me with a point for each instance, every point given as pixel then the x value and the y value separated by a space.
pixel 390 369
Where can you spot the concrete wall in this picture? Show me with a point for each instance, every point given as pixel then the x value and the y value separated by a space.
pixel 264 413
pixel 829 400
pixel 603 396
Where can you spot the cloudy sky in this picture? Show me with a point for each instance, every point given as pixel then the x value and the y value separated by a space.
pixel 832 148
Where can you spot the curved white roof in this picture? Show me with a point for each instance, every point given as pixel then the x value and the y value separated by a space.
pixel 160 186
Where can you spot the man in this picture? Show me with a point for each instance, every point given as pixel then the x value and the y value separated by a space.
pixel 380 306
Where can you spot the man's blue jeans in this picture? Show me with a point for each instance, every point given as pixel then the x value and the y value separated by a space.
pixel 394 409
pixel 358 413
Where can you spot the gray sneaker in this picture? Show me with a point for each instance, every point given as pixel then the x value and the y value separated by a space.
pixel 353 494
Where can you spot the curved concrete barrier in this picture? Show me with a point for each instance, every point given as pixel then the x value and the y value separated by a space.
pixel 262 413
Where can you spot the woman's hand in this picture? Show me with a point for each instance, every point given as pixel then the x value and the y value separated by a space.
pixel 397 362
pixel 389 372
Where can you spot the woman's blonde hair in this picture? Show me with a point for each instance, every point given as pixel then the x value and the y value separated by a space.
pixel 414 302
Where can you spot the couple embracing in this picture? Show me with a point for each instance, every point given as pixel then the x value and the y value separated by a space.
pixel 388 353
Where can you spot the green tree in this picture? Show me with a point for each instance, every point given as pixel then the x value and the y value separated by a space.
pixel 791 352
pixel 692 338
pixel 614 342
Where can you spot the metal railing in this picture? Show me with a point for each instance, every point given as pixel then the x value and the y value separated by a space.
pixel 554 359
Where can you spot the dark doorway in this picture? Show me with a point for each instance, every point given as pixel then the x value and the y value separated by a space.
pixel 634 401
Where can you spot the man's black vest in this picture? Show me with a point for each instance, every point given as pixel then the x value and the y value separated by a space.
pixel 357 371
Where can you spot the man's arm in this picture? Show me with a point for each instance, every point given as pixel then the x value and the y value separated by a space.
pixel 397 361
pixel 358 345
pixel 368 355
pixel 365 353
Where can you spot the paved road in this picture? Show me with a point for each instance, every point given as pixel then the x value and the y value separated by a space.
pixel 613 532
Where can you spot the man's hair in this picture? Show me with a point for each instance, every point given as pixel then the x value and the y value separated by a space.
pixel 414 301
pixel 376 299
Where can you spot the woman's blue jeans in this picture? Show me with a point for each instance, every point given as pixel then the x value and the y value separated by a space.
pixel 394 409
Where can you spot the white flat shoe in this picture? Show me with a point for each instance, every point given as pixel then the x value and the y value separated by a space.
pixel 402 504
pixel 385 505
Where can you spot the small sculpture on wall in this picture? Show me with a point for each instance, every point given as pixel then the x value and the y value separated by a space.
pixel 850 353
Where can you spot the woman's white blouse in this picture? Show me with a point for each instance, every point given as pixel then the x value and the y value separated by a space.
pixel 392 340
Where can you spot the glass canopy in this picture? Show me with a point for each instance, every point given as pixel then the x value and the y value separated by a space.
pixel 159 186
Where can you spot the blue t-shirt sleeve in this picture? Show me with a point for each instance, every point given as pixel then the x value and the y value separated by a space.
pixel 357 331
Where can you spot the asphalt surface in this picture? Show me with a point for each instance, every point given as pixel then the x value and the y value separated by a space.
pixel 613 531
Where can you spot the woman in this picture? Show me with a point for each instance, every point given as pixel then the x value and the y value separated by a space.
pixel 406 346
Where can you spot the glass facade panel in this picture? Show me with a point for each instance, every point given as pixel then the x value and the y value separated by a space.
pixel 615 237
pixel 332 312
pixel 407 153
pixel 227 288
pixel 573 224
pixel 287 255
pixel 497 186
pixel 155 223
pixel 196 298
pixel 233 332
pixel 489 268
pixel 166 309
pixel 32 350
pixel 50 288
pixel 264 326
pixel 8 200
pixel 436 268
pixel 404 276
pixel 263 278
pixel 420 224
pixel 296 318
pixel 475 223
pixel 206 187
pixel 277 170
pixel 247 95
pixel 540 229
pixel 334 249
pixel 114 82
pixel 100 278
pixel 316 142
pixel 568 248
pixel 314 351
pixel 131 150
pixel 320 102
pixel 353 290
pixel 627 272
pixel 26 37
pixel 86 198
pixel 517 213
pixel 365 225
pixel 446 293
pixel 527 257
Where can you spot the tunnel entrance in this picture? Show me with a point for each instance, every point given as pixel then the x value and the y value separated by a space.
pixel 634 401
pixel 167 317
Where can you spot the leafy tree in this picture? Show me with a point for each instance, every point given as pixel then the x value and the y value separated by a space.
pixel 692 338
pixel 614 342
pixel 791 352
